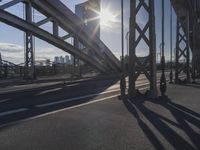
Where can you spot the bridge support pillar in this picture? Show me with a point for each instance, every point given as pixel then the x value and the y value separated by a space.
pixel 76 61
pixel 182 50
pixel 29 49
pixel 194 54
pixel 142 65
pixel 1 66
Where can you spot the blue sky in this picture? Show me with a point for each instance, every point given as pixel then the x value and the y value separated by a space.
pixel 12 41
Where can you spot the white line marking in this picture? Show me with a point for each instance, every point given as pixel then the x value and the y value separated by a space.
pixel 4 100
pixel 82 97
pixel 85 96
pixel 53 112
pixel 76 98
pixel 70 85
pixel 48 91
pixel 13 111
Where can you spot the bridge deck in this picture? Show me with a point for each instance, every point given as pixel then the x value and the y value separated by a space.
pixel 108 124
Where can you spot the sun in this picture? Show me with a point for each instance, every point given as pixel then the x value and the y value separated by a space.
pixel 107 18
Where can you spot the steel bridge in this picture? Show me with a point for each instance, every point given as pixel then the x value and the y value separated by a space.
pixel 187 38
pixel 61 16
pixel 188 32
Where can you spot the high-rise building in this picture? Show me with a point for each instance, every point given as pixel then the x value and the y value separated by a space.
pixel 67 61
pixel 88 12
pixel 48 62
pixel 56 60
pixel 62 60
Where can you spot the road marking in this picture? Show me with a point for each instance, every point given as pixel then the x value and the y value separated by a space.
pixel 4 100
pixel 85 96
pixel 70 85
pixel 48 91
pixel 57 111
pixel 76 98
pixel 88 103
pixel 13 111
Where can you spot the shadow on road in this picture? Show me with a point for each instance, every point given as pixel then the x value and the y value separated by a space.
pixel 183 116
pixel 29 99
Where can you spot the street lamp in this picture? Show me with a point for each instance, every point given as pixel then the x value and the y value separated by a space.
pixel 171 65
pixel 163 85
pixel 127 39
pixel 122 82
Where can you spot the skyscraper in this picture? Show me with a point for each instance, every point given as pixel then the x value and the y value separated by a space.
pixel 88 12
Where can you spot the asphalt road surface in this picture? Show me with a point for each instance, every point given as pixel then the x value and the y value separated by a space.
pixel 16 105
pixel 90 116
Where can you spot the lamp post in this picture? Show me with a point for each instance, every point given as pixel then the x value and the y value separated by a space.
pixel 122 82
pixel 171 63
pixel 163 85
pixel 127 39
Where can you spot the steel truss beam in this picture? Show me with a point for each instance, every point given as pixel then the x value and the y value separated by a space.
pixel 136 66
pixel 182 49
pixel 71 24
pixel 29 51
pixel 46 36
pixel 11 3
pixel 54 16
pixel 39 23
pixel 67 36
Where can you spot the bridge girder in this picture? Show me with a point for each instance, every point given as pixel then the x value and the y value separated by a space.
pixel 71 23
pixel 55 33
pixel 23 25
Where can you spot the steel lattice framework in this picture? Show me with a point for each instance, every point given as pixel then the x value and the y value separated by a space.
pixel 182 49
pixel 148 66
pixel 60 16
pixel 29 53
pixel 190 8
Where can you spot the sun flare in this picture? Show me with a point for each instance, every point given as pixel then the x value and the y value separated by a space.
pixel 107 18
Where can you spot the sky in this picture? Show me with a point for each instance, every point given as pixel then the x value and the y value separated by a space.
pixel 12 39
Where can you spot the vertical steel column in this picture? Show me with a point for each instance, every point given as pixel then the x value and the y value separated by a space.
pixel 1 66
pixel 76 62
pixel 123 80
pixel 194 58
pixel 163 85
pixel 171 53
pixel 29 54
pixel 152 48
pixel 148 67
pixel 182 52
pixel 194 35
pixel 132 47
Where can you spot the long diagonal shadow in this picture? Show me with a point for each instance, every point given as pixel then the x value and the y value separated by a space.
pixel 181 116
pixel 168 133
pixel 147 131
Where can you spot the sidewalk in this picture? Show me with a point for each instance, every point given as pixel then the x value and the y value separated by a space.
pixel 111 124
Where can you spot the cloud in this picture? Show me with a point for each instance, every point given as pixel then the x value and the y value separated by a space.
pixel 11 48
